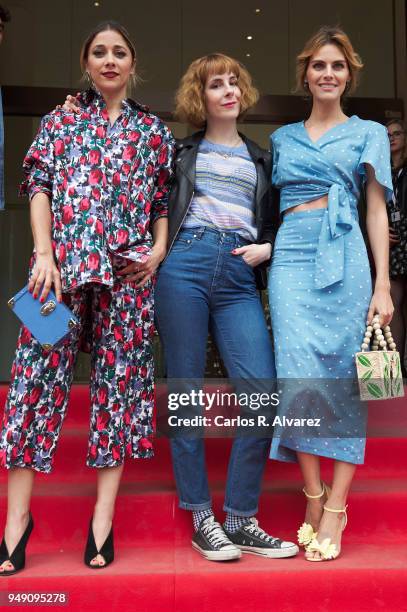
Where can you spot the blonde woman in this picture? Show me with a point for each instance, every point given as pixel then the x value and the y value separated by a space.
pixel 319 284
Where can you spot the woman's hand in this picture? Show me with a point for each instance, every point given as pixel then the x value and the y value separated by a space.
pixel 45 274
pixel 254 254
pixel 71 104
pixel 381 304
pixel 394 237
pixel 141 272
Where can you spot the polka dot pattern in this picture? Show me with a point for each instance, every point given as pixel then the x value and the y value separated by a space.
pixel 319 283
pixel 305 170
pixel 317 332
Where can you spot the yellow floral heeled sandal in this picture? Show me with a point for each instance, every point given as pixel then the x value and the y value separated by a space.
pixel 326 550
pixel 306 533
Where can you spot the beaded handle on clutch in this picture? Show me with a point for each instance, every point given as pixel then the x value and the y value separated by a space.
pixel 380 338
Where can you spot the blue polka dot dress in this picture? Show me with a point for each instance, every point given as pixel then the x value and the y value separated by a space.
pixel 319 282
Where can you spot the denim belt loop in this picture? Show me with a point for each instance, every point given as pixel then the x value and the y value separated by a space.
pixel 199 232
pixel 241 241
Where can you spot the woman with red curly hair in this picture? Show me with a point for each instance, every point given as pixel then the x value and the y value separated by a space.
pixel 221 232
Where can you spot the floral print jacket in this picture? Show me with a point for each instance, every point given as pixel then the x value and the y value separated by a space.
pixel 107 184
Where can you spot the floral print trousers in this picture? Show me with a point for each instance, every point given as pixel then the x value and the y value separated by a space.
pixel 118 322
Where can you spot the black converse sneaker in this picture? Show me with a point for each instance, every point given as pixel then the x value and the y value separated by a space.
pixel 210 540
pixel 251 538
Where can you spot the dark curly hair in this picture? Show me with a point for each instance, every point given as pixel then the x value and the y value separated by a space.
pixel 4 14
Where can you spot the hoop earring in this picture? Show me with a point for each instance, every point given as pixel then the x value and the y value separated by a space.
pixel 131 86
pixel 89 79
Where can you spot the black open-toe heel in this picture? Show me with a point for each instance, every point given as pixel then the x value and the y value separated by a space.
pixel 17 558
pixel 107 550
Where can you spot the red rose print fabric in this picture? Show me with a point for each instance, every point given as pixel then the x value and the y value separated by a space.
pixel 121 388
pixel 107 185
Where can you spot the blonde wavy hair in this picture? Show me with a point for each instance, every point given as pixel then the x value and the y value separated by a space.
pixel 190 96
pixel 328 35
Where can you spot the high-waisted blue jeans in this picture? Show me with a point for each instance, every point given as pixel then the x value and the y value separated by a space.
pixel 201 286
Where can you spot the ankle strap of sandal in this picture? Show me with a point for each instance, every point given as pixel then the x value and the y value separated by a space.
pixel 335 510
pixel 315 496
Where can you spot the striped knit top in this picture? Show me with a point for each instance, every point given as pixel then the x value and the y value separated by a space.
pixel 224 194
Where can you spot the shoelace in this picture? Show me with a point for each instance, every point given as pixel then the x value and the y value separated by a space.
pixel 259 532
pixel 215 534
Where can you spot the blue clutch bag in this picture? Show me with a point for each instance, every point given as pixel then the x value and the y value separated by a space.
pixel 49 322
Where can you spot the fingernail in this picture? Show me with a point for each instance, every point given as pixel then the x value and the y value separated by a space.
pixel 35 296
pixel 30 290
pixel 234 251
pixel 42 300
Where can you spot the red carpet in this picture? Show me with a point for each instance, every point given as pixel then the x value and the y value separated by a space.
pixel 165 574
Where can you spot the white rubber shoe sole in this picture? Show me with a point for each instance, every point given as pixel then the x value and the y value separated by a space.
pixel 219 555
pixel 271 553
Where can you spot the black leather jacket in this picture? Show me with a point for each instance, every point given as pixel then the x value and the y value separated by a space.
pixel 182 191
pixel 400 187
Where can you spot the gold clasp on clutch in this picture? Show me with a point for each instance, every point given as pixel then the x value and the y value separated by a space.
pixel 72 323
pixel 48 308
pixel 11 303
pixel 47 347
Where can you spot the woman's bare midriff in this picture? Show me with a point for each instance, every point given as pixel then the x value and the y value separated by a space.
pixel 314 204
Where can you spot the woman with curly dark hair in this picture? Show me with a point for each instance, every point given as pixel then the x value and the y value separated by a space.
pixel 397 210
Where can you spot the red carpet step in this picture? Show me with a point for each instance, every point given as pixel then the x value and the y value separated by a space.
pixel 157 570
pixel 365 578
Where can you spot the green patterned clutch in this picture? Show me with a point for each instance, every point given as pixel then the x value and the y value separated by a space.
pixel 379 369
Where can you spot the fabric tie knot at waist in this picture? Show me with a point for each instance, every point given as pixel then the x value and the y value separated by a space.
pixel 330 257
